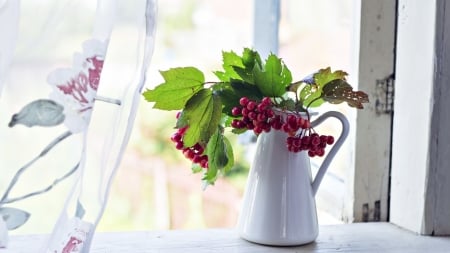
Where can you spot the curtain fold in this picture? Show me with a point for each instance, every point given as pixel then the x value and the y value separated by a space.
pixel 72 78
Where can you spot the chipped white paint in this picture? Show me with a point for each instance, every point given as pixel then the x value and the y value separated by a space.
pixel 376 37
pixel 415 69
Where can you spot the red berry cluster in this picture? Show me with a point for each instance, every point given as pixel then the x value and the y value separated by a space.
pixel 194 153
pixel 256 116
pixel 259 117
pixel 314 144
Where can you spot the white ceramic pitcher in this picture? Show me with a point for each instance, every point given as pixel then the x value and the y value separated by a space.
pixel 278 206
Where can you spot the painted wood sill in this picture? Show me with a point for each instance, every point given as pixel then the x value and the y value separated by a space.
pixel 358 237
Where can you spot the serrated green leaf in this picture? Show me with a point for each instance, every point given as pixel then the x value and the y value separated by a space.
pixel 220 156
pixel 179 86
pixel 230 59
pixel 230 93
pixel 230 155
pixel 216 151
pixel 202 112
pixel 338 91
pixel 243 89
pixel 273 78
pixel 245 74
pixel 324 76
pixel 311 93
pixel 250 58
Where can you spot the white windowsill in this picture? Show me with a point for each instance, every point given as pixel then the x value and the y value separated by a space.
pixel 358 237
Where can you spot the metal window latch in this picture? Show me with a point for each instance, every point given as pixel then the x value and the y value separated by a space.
pixel 384 102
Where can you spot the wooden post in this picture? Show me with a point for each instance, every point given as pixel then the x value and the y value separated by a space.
pixel 373 124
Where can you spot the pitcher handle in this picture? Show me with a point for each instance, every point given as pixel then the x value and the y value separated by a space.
pixel 344 133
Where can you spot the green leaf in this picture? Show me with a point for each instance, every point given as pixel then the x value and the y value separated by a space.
pixel 273 78
pixel 220 156
pixel 288 104
pixel 250 58
pixel 202 112
pixel 230 93
pixel 312 92
pixel 230 59
pixel 338 91
pixel 245 74
pixel 239 131
pixel 230 155
pixel 311 95
pixel 179 86
pixel 196 168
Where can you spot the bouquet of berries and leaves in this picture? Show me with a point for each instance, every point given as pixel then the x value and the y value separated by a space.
pixel 250 94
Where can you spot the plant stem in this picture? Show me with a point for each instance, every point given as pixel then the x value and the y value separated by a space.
pixel 26 166
pixel 314 100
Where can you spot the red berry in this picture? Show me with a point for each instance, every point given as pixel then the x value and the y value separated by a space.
pixel 176 137
pixel 307 124
pixel 266 101
pixel 320 152
pixel 197 147
pixel 286 128
pixel 330 140
pixel 297 142
pixel 244 112
pixel 292 119
pixel 244 101
pixel 266 127
pixel 189 154
pixel 257 130
pixel 269 113
pixel 290 140
pixel 197 158
pixel 301 122
pixel 311 153
pixel 306 140
pixel 236 111
pixel 251 105
pixel 261 117
pixel 235 123
pixel 252 115
pixel 276 125
pixel 179 145
pixel 204 163
pixel 315 140
pixel 182 130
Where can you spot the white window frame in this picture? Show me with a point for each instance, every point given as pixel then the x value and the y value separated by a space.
pixel 421 140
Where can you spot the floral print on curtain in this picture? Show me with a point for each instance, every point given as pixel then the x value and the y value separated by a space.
pixel 63 110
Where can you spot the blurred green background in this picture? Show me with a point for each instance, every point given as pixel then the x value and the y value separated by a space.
pixel 154 187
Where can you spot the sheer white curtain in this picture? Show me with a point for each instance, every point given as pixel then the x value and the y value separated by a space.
pixel 71 75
